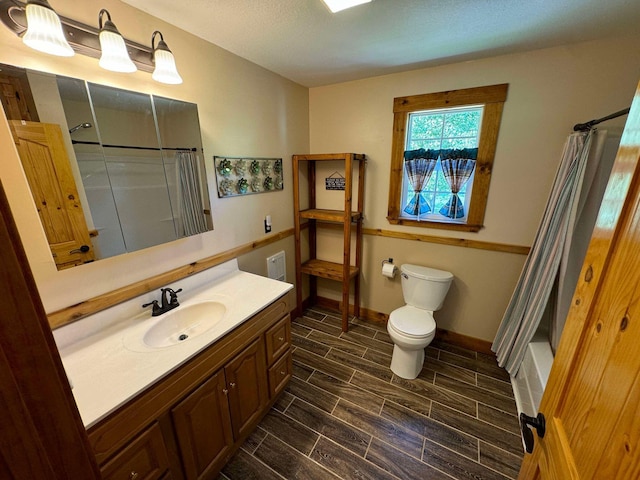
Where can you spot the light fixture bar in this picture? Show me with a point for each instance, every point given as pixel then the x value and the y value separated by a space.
pixel 82 38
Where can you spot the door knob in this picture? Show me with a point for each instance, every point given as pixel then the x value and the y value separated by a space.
pixel 82 249
pixel 538 423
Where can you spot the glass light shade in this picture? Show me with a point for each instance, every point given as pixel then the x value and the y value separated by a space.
pixel 114 53
pixel 165 71
pixel 338 5
pixel 44 31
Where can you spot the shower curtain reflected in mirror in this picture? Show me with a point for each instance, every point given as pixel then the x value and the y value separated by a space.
pixel 189 195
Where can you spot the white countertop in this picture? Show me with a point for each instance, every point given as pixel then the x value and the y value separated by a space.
pixel 112 365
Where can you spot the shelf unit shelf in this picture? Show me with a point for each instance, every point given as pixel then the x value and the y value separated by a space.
pixel 336 216
pixel 330 270
pixel 349 218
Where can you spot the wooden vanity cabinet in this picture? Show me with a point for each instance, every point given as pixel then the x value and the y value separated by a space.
pixel 188 425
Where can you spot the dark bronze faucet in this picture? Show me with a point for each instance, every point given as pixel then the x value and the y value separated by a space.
pixel 168 299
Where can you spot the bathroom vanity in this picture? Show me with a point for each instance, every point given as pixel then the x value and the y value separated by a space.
pixel 181 411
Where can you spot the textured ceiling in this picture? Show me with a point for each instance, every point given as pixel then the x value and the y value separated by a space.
pixel 303 41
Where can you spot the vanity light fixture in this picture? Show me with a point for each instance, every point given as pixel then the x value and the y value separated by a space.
pixel 339 5
pixel 44 30
pixel 87 40
pixel 165 71
pixel 114 52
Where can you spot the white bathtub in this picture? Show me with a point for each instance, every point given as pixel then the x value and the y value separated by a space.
pixel 531 379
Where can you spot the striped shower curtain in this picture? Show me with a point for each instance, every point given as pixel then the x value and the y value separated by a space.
pixel 532 291
pixel 189 194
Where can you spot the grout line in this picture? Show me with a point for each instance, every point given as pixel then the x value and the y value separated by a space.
pixel 421 459
pixel 312 448
pixel 260 461
pixel 260 442
pixel 293 397
pixel 473 418
pixel 368 447
pixel 497 471
pixel 490 392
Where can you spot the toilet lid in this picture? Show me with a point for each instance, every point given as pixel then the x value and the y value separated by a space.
pixel 426 273
pixel 412 321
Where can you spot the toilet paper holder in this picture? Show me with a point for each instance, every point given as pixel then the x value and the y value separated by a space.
pixel 389 270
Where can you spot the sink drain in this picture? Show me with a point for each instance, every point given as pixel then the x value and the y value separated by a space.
pixel 184 336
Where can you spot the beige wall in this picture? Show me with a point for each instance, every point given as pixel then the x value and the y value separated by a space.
pixel 549 91
pixel 244 110
pixel 248 111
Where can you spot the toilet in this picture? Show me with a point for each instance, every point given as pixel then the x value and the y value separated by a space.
pixel 412 327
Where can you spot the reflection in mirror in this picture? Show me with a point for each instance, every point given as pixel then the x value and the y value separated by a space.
pixel 136 159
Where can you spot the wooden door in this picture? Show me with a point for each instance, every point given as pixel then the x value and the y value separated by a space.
pixel 247 383
pixel 41 433
pixel 203 428
pixel 14 99
pixel 46 165
pixel 592 400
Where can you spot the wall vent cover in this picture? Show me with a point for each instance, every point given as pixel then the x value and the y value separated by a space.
pixel 277 267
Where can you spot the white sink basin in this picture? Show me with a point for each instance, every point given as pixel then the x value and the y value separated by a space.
pixel 186 322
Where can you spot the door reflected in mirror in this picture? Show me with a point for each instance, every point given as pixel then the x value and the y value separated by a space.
pixel 136 161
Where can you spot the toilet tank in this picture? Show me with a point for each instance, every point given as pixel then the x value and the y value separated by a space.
pixel 424 287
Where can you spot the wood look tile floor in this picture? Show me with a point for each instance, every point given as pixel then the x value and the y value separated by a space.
pixel 345 415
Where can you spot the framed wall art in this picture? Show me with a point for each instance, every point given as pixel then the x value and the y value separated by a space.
pixel 245 176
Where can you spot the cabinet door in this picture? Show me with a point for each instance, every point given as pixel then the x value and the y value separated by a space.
pixel 247 383
pixel 203 428
pixel 145 458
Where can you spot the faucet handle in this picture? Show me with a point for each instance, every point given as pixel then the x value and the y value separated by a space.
pixel 156 307
pixel 174 295
pixel 170 290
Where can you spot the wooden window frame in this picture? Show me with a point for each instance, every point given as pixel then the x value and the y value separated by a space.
pixel 492 97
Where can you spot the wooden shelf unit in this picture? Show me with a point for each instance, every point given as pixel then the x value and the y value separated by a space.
pixel 349 217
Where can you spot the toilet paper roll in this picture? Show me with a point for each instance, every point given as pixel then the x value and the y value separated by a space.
pixel 389 270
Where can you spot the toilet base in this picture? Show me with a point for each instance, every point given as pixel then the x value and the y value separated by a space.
pixel 407 363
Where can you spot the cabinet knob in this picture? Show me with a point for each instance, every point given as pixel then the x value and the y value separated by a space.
pixel 225 391
pixel 283 373
pixel 281 339
pixel 232 385
pixel 133 475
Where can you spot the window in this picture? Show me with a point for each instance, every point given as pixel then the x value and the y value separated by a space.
pixel 442 154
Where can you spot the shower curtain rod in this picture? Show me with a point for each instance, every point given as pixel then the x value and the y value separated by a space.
pixel 582 127
pixel 80 142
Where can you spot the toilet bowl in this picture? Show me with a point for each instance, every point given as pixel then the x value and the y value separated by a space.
pixel 412 327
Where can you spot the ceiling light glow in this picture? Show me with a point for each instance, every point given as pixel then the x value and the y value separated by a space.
pixel 338 5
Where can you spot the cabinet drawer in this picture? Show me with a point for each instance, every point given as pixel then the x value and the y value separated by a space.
pixel 280 373
pixel 278 339
pixel 144 458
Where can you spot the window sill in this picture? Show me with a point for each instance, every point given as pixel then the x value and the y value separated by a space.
pixel 462 227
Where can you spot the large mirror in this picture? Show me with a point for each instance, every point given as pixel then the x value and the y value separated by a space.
pixel 111 171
